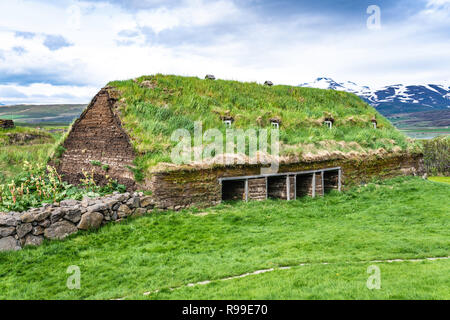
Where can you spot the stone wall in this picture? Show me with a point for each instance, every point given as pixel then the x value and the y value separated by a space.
pixel 57 221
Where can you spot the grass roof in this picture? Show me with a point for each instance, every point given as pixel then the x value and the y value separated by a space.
pixel 152 107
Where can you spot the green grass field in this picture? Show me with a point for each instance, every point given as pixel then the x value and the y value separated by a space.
pixel 12 156
pixel 400 218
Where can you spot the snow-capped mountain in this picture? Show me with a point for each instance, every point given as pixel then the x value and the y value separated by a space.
pixel 394 99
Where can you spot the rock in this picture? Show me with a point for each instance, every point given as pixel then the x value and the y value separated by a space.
pixel 60 230
pixel 114 216
pixel 28 217
pixel 45 223
pixel 9 243
pixel 124 211
pixel 97 207
pixel 57 215
pixel 210 77
pixel 86 202
pixel 43 215
pixel 73 215
pixel 111 203
pixel 68 203
pixel 139 212
pixel 23 229
pixel 147 201
pixel 32 240
pixel 38 230
pixel 133 202
pixel 90 220
pixel 7 220
pixel 6 231
pixel 121 197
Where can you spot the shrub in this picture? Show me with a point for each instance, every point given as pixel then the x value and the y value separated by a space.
pixel 437 156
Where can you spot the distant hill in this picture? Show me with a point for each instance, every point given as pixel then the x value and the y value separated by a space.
pixel 62 114
pixel 394 99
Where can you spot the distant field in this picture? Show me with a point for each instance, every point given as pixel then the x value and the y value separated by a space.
pixel 12 157
pixel 57 114
pixel 423 125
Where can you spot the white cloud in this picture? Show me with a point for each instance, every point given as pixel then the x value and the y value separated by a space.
pixel 254 48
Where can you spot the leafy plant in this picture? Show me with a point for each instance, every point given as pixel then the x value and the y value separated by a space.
pixel 39 184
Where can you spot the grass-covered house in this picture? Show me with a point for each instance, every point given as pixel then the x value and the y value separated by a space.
pixel 328 139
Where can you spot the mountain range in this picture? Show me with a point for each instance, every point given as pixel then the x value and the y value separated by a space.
pixel 394 99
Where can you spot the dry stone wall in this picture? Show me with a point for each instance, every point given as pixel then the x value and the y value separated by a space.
pixel 57 221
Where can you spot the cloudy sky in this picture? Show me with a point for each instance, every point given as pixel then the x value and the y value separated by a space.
pixel 64 51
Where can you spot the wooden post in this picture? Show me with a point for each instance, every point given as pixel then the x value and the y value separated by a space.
pixel 295 187
pixel 339 180
pixel 323 186
pixel 246 190
pixel 288 188
pixel 267 188
pixel 314 185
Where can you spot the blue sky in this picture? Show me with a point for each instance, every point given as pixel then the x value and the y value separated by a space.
pixel 64 51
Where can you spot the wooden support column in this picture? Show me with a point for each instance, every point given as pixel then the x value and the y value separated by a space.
pixel 323 186
pixel 267 188
pixel 339 180
pixel 246 190
pixel 288 188
pixel 295 187
pixel 313 185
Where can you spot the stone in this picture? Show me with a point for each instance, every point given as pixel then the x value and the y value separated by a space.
pixel 38 230
pixel 43 215
pixel 57 215
pixel 133 202
pixel 60 230
pixel 7 220
pixel 140 212
pixel 123 211
pixel 97 207
pixel 147 201
pixel 9 243
pixel 73 215
pixel 6 231
pixel 110 203
pixel 32 240
pixel 68 203
pixel 114 216
pixel 23 229
pixel 28 217
pixel 45 223
pixel 90 220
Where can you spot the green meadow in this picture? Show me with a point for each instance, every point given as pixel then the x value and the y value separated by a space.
pixel 401 218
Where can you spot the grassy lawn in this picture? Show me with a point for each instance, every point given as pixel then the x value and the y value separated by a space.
pixel 440 179
pixel 399 218
pixel 399 280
